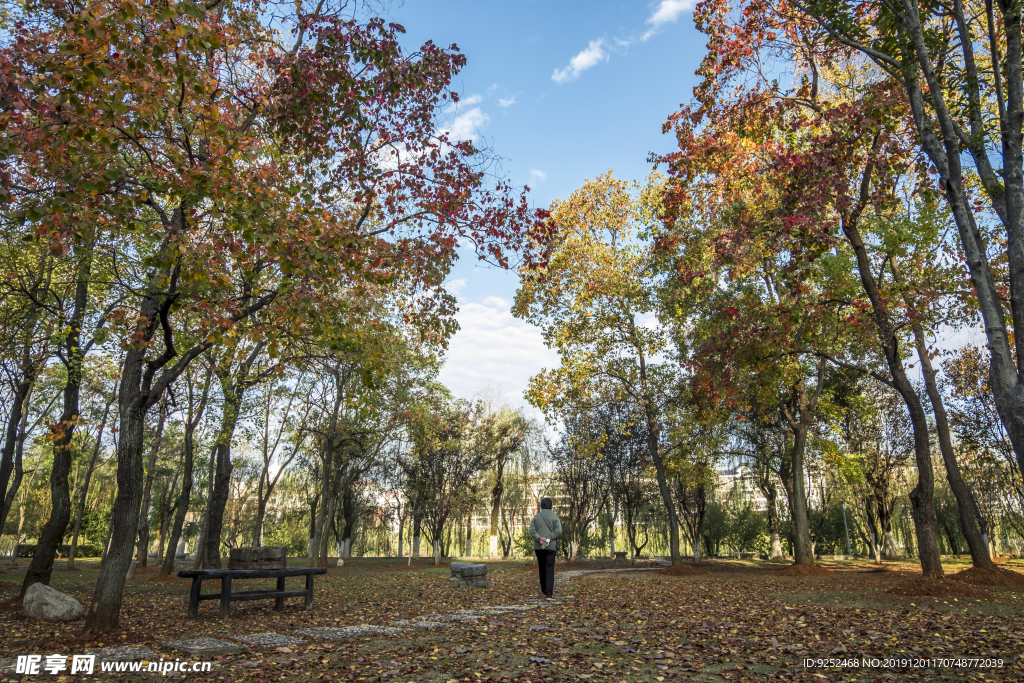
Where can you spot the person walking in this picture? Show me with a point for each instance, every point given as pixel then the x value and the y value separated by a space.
pixel 546 529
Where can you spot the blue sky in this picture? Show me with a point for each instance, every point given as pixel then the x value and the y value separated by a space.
pixel 562 92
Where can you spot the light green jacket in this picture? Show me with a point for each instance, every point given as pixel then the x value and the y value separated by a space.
pixel 546 525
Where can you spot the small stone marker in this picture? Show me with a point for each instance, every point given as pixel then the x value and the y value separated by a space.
pixel 269 640
pixel 49 604
pixel 468 574
pixel 347 631
pixel 204 646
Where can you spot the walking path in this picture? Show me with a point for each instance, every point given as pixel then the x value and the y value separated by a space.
pixel 208 646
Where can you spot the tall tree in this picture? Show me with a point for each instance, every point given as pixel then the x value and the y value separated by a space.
pixel 595 303
pixel 243 175
pixel 959 67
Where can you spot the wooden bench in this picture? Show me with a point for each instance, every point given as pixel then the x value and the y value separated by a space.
pixel 226 576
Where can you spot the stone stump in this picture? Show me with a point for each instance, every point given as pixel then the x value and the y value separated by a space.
pixel 468 575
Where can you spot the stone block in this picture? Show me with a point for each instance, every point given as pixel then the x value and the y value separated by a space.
pixel 468 574
pixel 268 557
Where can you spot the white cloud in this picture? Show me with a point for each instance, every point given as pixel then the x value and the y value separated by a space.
pixel 666 13
pixel 507 102
pixel 493 348
pixel 467 125
pixel 470 101
pixel 591 56
pixel 537 175
pixel 456 287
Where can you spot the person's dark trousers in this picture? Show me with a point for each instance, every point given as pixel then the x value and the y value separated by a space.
pixel 546 566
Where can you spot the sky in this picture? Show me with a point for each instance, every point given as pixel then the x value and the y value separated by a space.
pixel 562 92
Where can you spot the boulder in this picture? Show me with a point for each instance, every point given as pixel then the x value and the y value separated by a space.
pixel 468 574
pixel 49 604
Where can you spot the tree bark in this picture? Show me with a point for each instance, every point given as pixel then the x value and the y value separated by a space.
pixel 417 526
pixel 147 490
pixel 221 489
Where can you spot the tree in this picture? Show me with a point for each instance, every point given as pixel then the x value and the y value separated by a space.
pixel 582 479
pixel 499 434
pixel 244 176
pixel 443 463
pixel 961 75
pixel 593 301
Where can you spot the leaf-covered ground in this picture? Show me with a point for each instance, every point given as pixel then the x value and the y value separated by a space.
pixel 734 621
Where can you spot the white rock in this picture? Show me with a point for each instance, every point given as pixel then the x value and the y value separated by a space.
pixel 49 604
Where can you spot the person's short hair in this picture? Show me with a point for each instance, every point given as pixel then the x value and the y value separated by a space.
pixel 545 503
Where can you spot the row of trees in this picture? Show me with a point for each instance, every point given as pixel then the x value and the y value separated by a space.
pixel 778 297
pixel 203 202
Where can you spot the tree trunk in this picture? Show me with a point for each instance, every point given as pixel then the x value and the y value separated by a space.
pixel 802 551
pixel 921 497
pixel 496 494
pixel 147 490
pixel 773 526
pixel 417 530
pixel 187 466
pixel 12 437
pixel 221 489
pixel 261 513
pixel 401 528
pixel 105 609
pixel 965 498
pixel 53 532
pixel 85 485
pixel 612 518
pixel 469 534
pixel 666 494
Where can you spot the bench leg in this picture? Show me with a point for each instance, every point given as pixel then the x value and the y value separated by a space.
pixel 279 602
pixel 193 596
pixel 309 592
pixel 225 596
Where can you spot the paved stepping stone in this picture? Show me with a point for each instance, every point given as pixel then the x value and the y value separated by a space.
pixel 449 617
pixel 479 613
pixel 204 646
pixel 347 631
pixel 269 640
pixel 124 653
pixel 419 624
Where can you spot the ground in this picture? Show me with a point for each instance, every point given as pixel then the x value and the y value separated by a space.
pixel 731 621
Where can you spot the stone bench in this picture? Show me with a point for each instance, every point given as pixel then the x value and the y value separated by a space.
pixel 468 574
pixel 227 575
